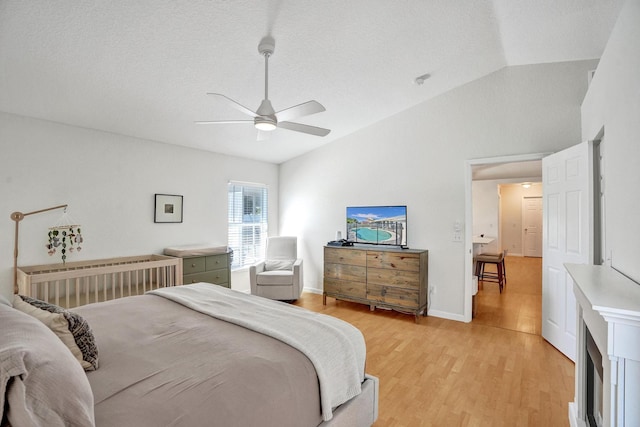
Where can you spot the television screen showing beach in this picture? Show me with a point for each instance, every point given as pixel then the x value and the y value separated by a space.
pixel 382 225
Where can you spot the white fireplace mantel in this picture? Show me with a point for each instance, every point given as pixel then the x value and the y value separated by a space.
pixel 609 306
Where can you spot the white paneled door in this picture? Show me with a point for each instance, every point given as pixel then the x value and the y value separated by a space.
pixel 566 238
pixel 532 226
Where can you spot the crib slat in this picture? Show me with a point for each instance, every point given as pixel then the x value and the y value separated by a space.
pixel 137 282
pixel 104 286
pixel 95 281
pixel 66 294
pixel 57 286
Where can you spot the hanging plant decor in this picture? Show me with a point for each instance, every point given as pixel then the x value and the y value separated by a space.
pixel 66 239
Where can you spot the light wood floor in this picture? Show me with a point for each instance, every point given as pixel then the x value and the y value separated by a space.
pixel 447 373
pixel 519 307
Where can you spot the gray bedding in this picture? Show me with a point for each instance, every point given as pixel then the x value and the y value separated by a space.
pixel 336 348
pixel 163 364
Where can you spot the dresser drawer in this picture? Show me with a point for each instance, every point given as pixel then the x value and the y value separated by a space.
pixel 215 262
pixel 394 296
pixel 345 272
pixel 336 288
pixel 345 256
pixel 393 260
pixel 216 276
pixel 193 265
pixel 390 277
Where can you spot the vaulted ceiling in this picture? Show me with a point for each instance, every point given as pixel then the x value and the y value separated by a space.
pixel 143 67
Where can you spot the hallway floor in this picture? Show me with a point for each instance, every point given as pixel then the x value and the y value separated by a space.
pixel 519 306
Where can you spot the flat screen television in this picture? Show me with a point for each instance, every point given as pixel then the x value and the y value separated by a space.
pixel 377 225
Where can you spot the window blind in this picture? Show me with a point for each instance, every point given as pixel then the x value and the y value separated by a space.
pixel 248 223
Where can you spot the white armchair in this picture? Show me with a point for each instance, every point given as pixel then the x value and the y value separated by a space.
pixel 279 276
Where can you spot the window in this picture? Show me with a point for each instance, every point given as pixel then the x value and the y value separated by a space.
pixel 247 223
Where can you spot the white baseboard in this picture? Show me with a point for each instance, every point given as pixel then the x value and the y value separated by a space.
pixel 434 313
pixel 446 315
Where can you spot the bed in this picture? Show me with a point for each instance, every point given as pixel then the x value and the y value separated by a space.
pixel 190 355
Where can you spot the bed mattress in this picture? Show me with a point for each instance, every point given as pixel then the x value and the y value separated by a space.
pixel 162 364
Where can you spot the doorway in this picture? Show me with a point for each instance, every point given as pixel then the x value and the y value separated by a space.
pixel 519 223
pixel 508 169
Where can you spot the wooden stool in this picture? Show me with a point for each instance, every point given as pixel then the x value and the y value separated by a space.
pixel 500 276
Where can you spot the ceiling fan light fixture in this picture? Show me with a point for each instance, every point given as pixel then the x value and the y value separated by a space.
pixel 264 123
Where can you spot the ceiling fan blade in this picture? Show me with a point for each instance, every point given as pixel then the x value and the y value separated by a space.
pixel 299 127
pixel 263 136
pixel 304 109
pixel 213 122
pixel 234 104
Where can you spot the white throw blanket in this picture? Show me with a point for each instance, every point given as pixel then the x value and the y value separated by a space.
pixel 336 348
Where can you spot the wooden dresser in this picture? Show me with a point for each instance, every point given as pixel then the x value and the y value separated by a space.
pixel 380 277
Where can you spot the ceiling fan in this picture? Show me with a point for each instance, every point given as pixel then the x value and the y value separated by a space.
pixel 265 118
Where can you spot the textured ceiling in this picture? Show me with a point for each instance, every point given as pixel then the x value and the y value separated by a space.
pixel 142 67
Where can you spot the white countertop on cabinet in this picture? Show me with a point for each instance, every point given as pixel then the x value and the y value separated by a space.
pixel 477 240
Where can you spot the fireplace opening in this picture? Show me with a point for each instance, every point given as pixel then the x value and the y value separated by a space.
pixel 594 393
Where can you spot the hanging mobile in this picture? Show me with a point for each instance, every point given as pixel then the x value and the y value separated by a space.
pixel 65 236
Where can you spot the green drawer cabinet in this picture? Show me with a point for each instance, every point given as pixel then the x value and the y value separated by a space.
pixel 208 268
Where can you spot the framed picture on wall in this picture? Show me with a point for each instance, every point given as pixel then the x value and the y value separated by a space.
pixel 168 208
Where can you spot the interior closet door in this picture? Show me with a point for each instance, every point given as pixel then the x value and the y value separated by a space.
pixel 567 212
pixel 532 226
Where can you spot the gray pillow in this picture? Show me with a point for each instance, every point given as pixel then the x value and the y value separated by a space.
pixel 41 384
pixel 70 327
pixel 4 301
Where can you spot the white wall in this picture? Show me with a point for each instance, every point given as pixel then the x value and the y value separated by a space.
pixel 613 104
pixel 418 158
pixel 109 182
pixel 486 204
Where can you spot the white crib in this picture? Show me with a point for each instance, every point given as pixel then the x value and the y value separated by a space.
pixel 78 283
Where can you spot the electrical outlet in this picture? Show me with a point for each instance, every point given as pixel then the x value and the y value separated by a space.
pixel 432 289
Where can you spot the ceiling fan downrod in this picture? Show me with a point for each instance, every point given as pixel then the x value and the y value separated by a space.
pixel 266 48
pixel 266 119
